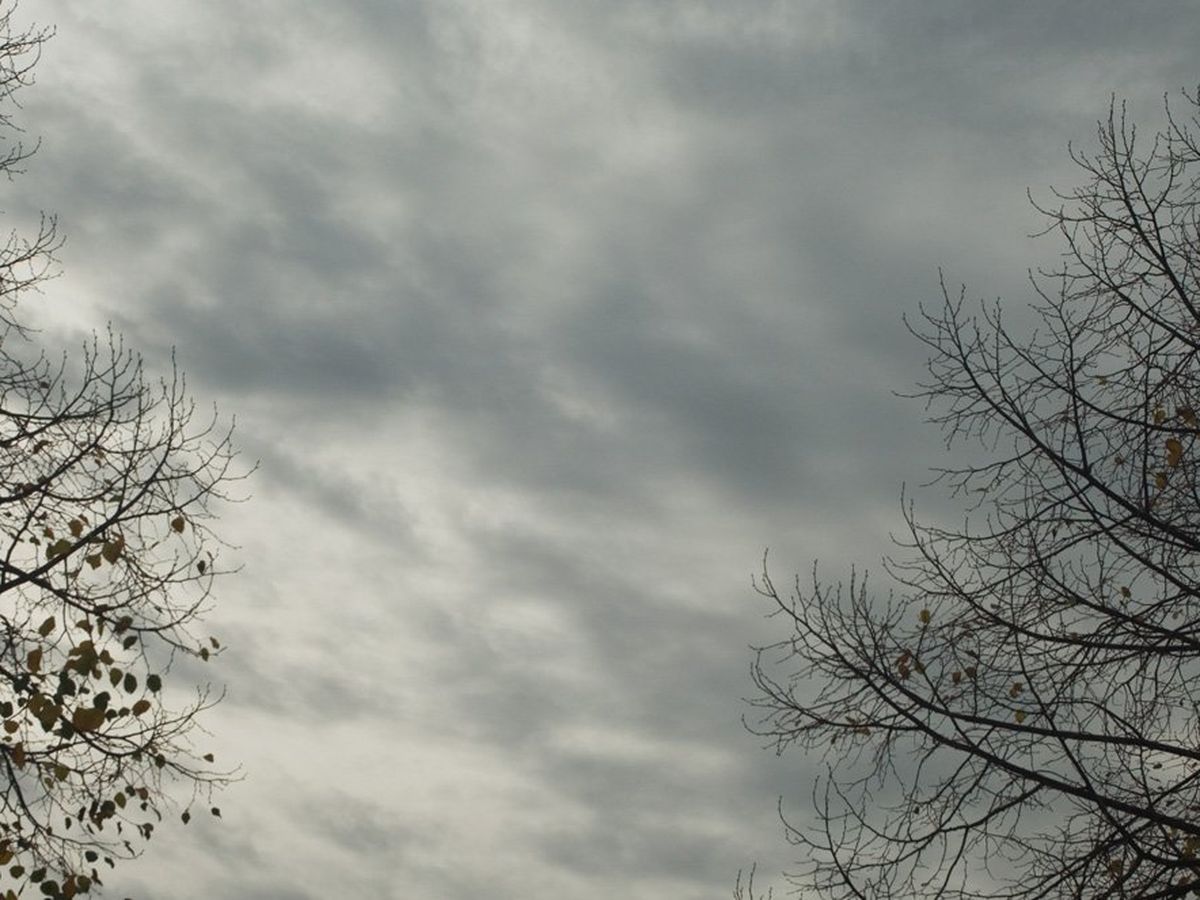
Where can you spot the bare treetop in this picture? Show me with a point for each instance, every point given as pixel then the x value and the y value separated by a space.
pixel 1022 718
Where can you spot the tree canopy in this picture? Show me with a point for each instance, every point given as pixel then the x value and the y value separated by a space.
pixel 1020 717
pixel 107 562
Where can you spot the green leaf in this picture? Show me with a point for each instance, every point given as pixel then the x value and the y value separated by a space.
pixel 154 683
pixel 46 627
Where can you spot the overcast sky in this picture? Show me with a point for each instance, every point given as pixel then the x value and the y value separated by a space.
pixel 545 318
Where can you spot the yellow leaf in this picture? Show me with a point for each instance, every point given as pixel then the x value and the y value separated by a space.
pixel 61 547
pixel 86 719
pixel 1020 716
pixel 924 616
pixel 112 549
pixel 1174 452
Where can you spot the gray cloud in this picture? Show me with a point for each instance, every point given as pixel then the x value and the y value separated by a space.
pixel 544 318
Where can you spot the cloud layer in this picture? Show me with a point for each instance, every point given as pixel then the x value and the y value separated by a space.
pixel 545 318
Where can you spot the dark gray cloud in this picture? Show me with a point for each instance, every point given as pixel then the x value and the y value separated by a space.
pixel 544 318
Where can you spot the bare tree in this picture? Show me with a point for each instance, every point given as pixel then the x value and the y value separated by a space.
pixel 106 564
pixel 1021 717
